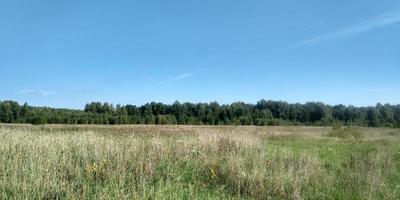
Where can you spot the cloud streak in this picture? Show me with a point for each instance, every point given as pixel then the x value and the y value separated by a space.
pixel 36 92
pixel 379 21
pixel 179 77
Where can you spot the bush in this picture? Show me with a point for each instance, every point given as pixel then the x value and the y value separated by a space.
pixel 336 126
pixel 39 120
pixel 273 122
pixel 345 133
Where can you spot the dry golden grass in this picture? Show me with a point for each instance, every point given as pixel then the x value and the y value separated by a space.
pixel 196 162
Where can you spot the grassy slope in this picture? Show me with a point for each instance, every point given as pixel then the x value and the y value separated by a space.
pixel 196 162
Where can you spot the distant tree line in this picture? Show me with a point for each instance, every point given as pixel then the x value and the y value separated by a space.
pixel 262 113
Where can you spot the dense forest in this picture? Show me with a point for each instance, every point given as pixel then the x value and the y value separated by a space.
pixel 239 113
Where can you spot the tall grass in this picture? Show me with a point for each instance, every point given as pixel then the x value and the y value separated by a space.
pixel 196 162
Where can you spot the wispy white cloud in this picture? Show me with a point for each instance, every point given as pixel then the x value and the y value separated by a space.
pixel 36 92
pixel 382 20
pixel 179 77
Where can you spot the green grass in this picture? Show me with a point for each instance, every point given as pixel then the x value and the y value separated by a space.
pixel 197 162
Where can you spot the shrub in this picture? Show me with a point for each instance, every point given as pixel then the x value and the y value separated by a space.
pixel 38 120
pixel 346 133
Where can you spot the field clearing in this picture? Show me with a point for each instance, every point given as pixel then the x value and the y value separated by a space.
pixel 198 162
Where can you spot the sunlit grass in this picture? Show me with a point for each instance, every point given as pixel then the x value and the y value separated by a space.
pixel 197 162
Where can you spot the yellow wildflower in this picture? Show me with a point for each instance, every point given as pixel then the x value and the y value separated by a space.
pixel 213 174
pixel 268 162
pixel 92 168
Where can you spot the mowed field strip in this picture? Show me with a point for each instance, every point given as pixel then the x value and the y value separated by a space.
pixel 198 162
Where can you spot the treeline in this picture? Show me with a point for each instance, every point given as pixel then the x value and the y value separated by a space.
pixel 262 113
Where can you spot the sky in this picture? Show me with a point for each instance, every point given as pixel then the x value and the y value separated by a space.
pixel 65 54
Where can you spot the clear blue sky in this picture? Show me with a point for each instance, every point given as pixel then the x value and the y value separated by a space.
pixel 68 53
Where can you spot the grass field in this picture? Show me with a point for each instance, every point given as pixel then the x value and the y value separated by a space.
pixel 198 162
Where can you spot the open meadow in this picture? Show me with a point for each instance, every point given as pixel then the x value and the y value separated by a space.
pixel 198 162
